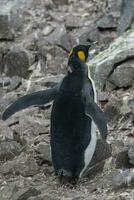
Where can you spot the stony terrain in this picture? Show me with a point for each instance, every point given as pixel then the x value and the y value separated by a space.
pixel 33 35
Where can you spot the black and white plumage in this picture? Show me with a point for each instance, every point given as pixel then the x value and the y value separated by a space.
pixel 74 117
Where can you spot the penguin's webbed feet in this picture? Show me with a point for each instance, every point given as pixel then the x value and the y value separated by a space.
pixel 66 178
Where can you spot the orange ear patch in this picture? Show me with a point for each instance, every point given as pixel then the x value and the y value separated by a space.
pixel 81 55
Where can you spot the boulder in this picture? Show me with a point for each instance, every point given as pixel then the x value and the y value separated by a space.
pixel 103 65
pixel 60 2
pixel 112 110
pixel 107 22
pixel 6 30
pixel 124 179
pixel 127 15
pixel 8 150
pixel 25 193
pixel 123 75
pixel 24 165
pixel 17 62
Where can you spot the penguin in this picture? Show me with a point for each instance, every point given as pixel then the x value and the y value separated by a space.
pixel 74 117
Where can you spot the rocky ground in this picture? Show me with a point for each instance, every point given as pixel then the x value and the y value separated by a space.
pixel 33 35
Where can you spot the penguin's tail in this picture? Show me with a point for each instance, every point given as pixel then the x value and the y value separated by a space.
pixel 36 98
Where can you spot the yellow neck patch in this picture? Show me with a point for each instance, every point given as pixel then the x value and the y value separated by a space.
pixel 81 55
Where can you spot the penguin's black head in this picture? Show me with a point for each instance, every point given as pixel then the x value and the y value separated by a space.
pixel 77 55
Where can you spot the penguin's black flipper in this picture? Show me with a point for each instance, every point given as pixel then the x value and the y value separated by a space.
pixel 36 98
pixel 94 112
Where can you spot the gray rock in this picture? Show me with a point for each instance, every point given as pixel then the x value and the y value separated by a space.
pixel 49 81
pixel 15 82
pixel 131 104
pixel 24 165
pixel 59 36
pixel 122 160
pixel 114 6
pixel 107 22
pixel 6 31
pixel 127 15
pixel 4 81
pixel 8 150
pixel 72 21
pixel 106 37
pixel 6 100
pixel 6 133
pixel 47 30
pixel 102 96
pixel 16 20
pixel 1 62
pixel 43 151
pixel 25 194
pixel 103 65
pixel 60 2
pixel 123 75
pixel 131 154
pixel 86 35
pixel 17 62
pixel 124 179
pixel 112 110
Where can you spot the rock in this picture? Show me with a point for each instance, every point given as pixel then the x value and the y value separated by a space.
pixel 37 198
pixel 16 20
pixel 72 21
pixel 4 81
pixel 15 82
pixel 114 6
pixel 6 133
pixel 103 65
pixel 131 154
pixel 123 75
pixel 107 22
pixel 56 62
pixel 127 15
pixel 47 30
pixel 124 179
pixel 6 31
pixel 112 110
pixel 102 96
pixel 43 152
pixel 25 194
pixel 131 104
pixel 59 36
pixel 122 160
pixel 86 35
pixel 30 126
pixel 6 100
pixel 49 81
pixel 17 62
pixel 60 2
pixel 24 165
pixel 8 150
pixel 106 37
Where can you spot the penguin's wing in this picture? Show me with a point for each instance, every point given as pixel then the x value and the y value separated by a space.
pixel 94 112
pixel 36 98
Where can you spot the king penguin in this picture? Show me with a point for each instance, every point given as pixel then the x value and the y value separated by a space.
pixel 74 117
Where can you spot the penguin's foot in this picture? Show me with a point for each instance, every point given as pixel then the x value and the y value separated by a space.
pixel 66 178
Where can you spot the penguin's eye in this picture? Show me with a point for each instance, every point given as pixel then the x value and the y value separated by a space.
pixel 71 52
pixel 81 55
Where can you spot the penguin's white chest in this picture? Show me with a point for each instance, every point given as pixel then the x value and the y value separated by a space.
pixel 89 151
